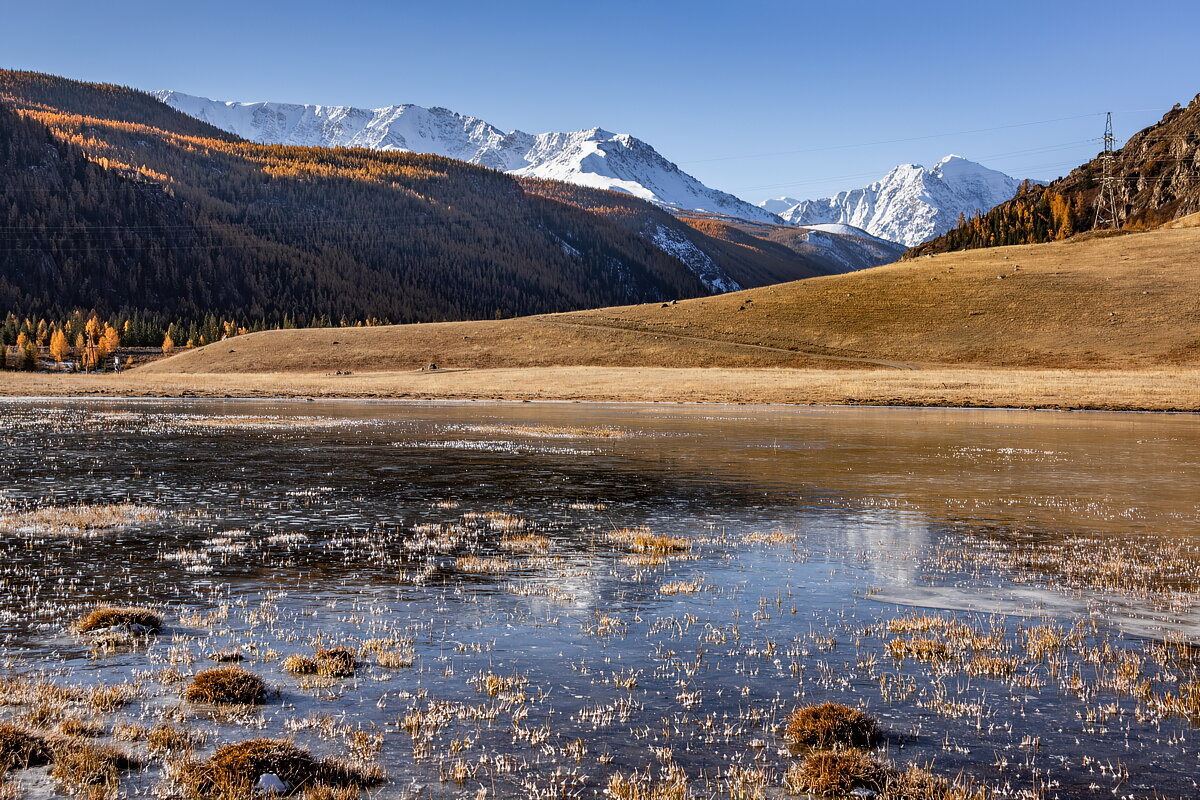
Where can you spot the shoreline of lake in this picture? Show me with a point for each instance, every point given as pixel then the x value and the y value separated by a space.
pixel 1076 390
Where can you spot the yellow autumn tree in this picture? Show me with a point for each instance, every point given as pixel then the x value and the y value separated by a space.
pixel 83 347
pixel 26 352
pixel 94 329
pixel 109 341
pixel 60 348
pixel 168 344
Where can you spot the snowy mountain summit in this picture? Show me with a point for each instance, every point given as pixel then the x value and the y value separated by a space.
pixel 911 204
pixel 595 158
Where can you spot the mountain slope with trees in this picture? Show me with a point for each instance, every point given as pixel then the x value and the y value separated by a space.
pixel 112 202
pixel 1157 174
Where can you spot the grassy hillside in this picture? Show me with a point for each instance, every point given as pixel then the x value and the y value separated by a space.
pixel 1119 302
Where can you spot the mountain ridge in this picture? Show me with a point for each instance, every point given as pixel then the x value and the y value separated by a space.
pixel 911 204
pixel 593 157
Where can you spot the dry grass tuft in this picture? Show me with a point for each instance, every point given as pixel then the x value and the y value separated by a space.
pixel 837 773
pixel 642 540
pixel 78 518
pixel 918 783
pixel 830 725
pixel 90 770
pixel 21 748
pixel 164 740
pixel 226 685
pixel 525 543
pixel 336 662
pixel 671 785
pixel 232 771
pixel 482 565
pixel 132 617
pixel 323 791
pixel 391 653
pixel 298 664
pixel 81 728
pixel 106 699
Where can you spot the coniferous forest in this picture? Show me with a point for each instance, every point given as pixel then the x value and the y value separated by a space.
pixel 116 206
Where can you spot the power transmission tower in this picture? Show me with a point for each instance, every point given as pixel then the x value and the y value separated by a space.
pixel 1106 202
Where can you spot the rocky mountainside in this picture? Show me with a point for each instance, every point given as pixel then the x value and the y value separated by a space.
pixel 1157 179
pixel 596 157
pixel 909 205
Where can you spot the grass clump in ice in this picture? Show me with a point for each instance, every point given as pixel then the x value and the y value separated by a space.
pixel 21 748
pixel 837 773
pixel 830 725
pixel 328 662
pixel 134 618
pixel 90 770
pixel 336 662
pixel 234 770
pixel 226 685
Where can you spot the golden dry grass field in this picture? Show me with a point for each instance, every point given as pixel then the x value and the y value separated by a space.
pixel 1099 322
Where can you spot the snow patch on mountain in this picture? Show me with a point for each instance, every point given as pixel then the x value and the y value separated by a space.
pixel 676 244
pixel 778 205
pixel 911 204
pixel 595 158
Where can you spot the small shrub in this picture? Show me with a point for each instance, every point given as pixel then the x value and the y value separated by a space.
pixel 119 616
pixel 20 748
pixel 828 725
pixel 836 773
pixel 226 685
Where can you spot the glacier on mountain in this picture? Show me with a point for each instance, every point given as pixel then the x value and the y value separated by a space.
pixel 910 205
pixel 595 158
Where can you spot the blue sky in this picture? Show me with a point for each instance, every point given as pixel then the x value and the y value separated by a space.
pixel 760 98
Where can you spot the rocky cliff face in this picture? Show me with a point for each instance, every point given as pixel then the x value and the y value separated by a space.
pixel 1158 171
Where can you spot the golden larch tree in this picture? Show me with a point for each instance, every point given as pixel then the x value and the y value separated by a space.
pixel 60 348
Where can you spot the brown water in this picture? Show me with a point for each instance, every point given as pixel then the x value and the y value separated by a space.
pixel 291 522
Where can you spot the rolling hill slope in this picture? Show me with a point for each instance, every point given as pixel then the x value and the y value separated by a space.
pixel 1119 302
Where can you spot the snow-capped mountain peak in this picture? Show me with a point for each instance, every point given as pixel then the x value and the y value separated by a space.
pixel 596 157
pixel 911 204
pixel 778 205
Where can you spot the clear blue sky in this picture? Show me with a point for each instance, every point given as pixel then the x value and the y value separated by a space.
pixel 760 98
